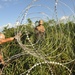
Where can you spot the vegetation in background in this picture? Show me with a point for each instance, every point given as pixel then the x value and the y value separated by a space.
pixel 58 46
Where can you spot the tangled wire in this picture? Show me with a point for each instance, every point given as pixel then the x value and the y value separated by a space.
pixel 56 42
